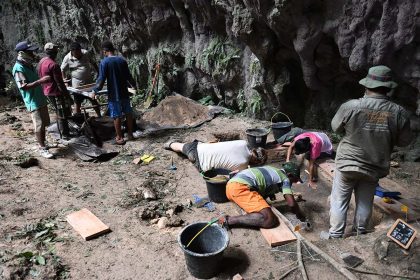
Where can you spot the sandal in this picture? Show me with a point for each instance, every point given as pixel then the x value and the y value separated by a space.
pixel 119 142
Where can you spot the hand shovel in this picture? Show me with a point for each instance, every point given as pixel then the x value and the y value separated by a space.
pixel 155 81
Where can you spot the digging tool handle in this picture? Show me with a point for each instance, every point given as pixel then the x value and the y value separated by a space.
pixel 154 79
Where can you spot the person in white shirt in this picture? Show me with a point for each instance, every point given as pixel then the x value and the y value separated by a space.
pixel 79 62
pixel 232 155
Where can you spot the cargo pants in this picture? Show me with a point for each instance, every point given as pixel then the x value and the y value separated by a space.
pixel 364 188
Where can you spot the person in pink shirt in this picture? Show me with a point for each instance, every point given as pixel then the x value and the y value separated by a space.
pixel 313 144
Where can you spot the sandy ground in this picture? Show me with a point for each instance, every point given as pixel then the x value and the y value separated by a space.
pixel 34 203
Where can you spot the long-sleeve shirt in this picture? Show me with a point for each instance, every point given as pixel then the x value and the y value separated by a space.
pixel 114 70
pixel 373 125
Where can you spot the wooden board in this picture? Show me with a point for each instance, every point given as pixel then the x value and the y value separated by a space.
pixel 87 224
pixel 279 235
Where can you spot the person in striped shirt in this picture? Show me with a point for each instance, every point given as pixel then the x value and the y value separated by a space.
pixel 250 187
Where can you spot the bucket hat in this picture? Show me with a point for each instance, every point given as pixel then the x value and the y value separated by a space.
pixel 292 168
pixel 25 46
pixel 378 76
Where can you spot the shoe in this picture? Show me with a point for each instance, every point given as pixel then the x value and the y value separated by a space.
pixel 325 235
pixel 45 153
pixel 50 145
pixel 137 134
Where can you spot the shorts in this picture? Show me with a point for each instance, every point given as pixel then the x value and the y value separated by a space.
pixel 40 119
pixel 250 201
pixel 190 151
pixel 118 108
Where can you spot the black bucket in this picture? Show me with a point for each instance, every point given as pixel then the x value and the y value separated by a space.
pixel 216 187
pixel 257 137
pixel 281 128
pixel 205 254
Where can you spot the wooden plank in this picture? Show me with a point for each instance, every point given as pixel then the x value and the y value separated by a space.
pixel 87 224
pixel 279 235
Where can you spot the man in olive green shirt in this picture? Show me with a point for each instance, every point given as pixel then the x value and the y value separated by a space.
pixel 373 125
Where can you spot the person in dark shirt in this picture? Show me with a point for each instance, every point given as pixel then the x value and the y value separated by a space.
pixel 114 70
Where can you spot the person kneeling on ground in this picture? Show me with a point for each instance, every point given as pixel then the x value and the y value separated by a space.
pixel 231 155
pixel 313 145
pixel 250 187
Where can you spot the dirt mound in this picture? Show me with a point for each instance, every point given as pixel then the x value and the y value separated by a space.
pixel 175 112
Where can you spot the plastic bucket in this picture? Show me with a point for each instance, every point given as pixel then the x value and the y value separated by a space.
pixel 204 255
pixel 216 186
pixel 257 137
pixel 280 128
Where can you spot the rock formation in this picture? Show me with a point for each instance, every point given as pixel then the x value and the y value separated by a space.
pixel 302 57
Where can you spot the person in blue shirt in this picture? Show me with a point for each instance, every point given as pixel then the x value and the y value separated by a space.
pixel 114 70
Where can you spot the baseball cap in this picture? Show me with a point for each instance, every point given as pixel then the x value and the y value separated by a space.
pixel 25 46
pixel 50 46
pixel 293 169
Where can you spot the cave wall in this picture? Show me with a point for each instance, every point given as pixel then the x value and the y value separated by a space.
pixel 301 57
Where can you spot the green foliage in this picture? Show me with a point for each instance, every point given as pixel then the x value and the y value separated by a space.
pixel 139 97
pixel 39 250
pixel 241 101
pixel 335 137
pixel 218 56
pixel 189 60
pixel 207 100
pixel 255 104
pixel 134 65
pixel 254 66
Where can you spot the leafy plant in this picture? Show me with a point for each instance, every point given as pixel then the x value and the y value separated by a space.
pixel 207 100
pixel 218 56
pixel 335 137
pixel 134 65
pixel 254 66
pixel 255 104
pixel 241 101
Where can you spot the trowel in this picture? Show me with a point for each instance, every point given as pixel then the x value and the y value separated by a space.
pixel 172 166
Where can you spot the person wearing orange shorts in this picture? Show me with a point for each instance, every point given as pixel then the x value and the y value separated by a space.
pixel 249 189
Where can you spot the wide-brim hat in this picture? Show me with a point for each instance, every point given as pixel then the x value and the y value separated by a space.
pixel 378 76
